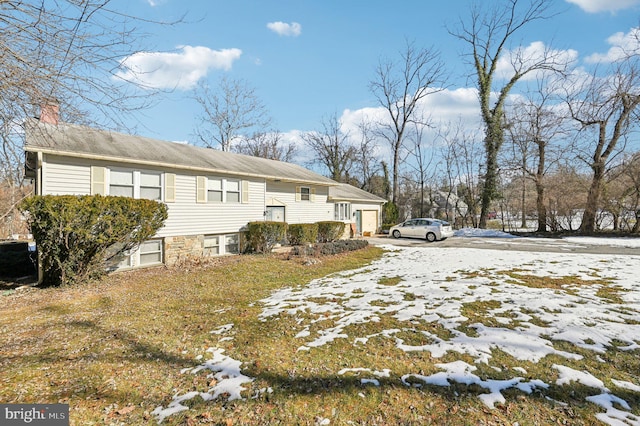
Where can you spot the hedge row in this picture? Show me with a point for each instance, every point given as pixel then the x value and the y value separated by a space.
pixel 261 237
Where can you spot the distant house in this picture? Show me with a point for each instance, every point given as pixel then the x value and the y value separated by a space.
pixel 211 195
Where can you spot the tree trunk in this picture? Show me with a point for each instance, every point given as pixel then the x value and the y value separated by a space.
pixel 396 184
pixel 490 178
pixel 523 221
pixel 540 207
pixel 589 216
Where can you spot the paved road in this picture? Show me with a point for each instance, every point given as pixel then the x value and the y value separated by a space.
pixel 553 245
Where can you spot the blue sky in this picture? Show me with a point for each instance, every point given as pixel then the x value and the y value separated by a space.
pixel 311 59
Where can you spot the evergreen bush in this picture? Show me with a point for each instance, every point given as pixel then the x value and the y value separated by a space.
pixel 330 231
pixel 302 233
pixel 75 235
pixel 261 237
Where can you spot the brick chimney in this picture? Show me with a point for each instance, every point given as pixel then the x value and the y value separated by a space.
pixel 50 111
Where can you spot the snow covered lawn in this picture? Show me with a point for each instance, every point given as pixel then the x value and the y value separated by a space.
pixel 490 320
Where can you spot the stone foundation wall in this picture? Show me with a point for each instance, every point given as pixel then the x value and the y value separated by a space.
pixel 182 248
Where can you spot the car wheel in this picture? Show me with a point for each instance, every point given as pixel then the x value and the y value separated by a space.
pixel 396 234
pixel 431 237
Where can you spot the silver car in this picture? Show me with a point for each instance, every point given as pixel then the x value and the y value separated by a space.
pixel 428 228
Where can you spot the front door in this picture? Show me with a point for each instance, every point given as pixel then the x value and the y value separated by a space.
pixel 358 222
pixel 275 214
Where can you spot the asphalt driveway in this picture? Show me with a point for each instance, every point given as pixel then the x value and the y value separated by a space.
pixel 550 245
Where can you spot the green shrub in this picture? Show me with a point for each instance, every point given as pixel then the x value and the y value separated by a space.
pixel 390 213
pixel 330 231
pixel 335 247
pixel 75 234
pixel 302 233
pixel 261 237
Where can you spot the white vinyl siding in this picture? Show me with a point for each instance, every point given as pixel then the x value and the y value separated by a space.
pixel 287 194
pixel 62 176
pixel 192 214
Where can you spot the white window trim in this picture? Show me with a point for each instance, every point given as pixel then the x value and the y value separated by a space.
pixel 135 180
pixel 202 190
pixel 312 194
pixel 342 211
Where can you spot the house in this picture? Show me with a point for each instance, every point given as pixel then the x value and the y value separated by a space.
pixel 211 195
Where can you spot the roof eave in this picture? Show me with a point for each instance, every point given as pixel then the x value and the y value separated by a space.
pixel 97 157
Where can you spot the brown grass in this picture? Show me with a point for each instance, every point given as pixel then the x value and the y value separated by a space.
pixel 114 350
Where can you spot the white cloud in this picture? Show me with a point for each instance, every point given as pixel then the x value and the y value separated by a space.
pixel 284 29
pixel 179 70
pixel 596 6
pixel 526 57
pixel 621 46
pixel 440 107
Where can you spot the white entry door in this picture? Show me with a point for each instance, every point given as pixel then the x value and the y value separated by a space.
pixel 275 214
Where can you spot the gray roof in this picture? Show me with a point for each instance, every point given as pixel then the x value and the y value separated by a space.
pixel 86 142
pixel 346 192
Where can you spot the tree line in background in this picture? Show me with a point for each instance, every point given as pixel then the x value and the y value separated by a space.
pixel 560 153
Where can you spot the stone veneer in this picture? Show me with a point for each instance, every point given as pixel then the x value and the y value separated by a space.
pixel 182 248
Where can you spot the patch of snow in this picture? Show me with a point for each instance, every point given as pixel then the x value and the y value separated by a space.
pixel 482 233
pixel 228 380
pixel 568 375
pixel 615 242
pixel 626 385
pixel 614 416
pixel 442 282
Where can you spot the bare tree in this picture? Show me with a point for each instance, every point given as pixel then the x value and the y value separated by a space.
pixel 268 145
pixel 332 148
pixel 604 109
pixel 399 87
pixel 534 125
pixel 487 34
pixel 422 164
pixel 230 113
pixel 68 51
pixel 367 163
pixel 461 154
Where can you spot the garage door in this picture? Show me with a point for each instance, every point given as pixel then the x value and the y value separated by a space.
pixel 369 221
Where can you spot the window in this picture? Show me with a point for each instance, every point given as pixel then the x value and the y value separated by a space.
pixel 305 193
pixel 342 211
pixel 214 190
pixel 130 183
pixel 233 191
pixel 231 244
pixel 220 190
pixel 150 252
pixel 150 186
pixel 121 183
pixel 211 245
